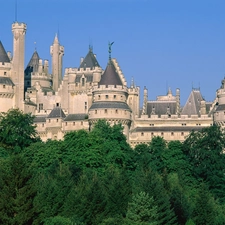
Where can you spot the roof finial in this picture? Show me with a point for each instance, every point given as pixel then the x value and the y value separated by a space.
pixel 110 50
pixel 90 45
pixel 132 82
pixel 15 10
pixel 35 47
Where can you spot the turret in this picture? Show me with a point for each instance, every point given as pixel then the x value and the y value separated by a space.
pixel 144 110
pixel 178 101
pixel 19 31
pixel 57 52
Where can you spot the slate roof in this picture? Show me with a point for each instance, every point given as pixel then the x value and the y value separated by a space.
pixel 110 76
pixel 108 105
pixel 7 81
pixel 33 64
pixel 89 78
pixel 3 55
pixel 57 112
pixel 220 107
pixel 74 117
pixel 193 104
pixel 89 61
pixel 39 119
pixel 167 129
pixel 161 107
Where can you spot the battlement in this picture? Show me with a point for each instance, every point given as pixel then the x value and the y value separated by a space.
pixel 18 25
pixel 119 71
pixel 5 65
pixel 42 76
pixel 174 117
pixel 110 88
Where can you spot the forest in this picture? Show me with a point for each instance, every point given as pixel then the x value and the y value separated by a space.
pixel 96 178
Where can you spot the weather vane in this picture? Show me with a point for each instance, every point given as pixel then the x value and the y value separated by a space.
pixel 110 50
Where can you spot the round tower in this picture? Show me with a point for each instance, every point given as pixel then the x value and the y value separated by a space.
pixel 57 52
pixel 110 100
pixel 19 31
pixel 219 112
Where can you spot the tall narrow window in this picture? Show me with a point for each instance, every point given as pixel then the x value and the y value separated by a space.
pixel 82 81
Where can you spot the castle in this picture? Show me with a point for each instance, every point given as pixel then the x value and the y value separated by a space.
pixel 78 98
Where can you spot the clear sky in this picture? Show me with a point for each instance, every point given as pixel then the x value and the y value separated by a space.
pixel 160 43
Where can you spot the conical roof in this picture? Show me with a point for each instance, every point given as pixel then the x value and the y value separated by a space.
pixel 33 63
pixel 89 61
pixel 3 55
pixel 110 76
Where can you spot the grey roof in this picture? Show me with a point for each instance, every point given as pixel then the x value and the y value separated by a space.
pixel 161 107
pixel 74 117
pixel 108 105
pixel 57 112
pixel 89 61
pixel 89 78
pixel 7 81
pixel 3 55
pixel 39 119
pixel 33 64
pixel 193 104
pixel 110 76
pixel 167 129
pixel 220 107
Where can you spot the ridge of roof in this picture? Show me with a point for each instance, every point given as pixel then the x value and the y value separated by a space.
pixel 3 55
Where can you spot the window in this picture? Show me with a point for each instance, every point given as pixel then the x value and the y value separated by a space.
pixel 3 85
pixel 57 104
pixel 43 124
pixel 73 123
pixel 76 84
pixel 162 134
pixel 182 133
pixel 82 81
pixel 49 120
pixel 5 73
pixel 81 123
pixel 152 134
pixel 116 111
pixel 172 133
pixel 105 110
pixel 66 124
pixel 106 96
pixel 142 134
pixel 95 111
pixel 114 96
pixel 99 97
pixel 40 106
pixel 57 120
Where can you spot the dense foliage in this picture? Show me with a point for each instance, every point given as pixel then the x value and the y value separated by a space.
pixel 97 178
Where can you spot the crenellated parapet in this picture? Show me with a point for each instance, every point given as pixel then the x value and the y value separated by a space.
pixel 119 71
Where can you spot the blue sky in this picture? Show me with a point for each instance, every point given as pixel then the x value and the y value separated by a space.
pixel 161 43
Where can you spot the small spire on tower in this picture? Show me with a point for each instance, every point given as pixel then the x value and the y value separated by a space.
pixel 110 50
pixel 56 39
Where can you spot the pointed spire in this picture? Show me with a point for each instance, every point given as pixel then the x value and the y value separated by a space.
pixel 132 82
pixel 56 41
pixel 3 55
pixel 110 50
pixel 169 91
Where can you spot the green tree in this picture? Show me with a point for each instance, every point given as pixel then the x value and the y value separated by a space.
pixel 17 191
pixel 204 150
pixel 17 129
pixel 141 210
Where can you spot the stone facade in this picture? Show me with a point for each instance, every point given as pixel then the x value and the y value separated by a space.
pixel 77 99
